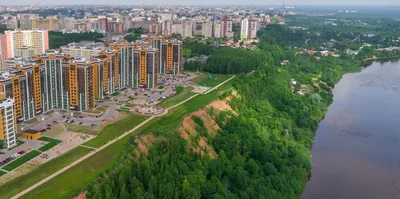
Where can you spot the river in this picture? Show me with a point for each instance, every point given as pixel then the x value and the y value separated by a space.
pixel 356 153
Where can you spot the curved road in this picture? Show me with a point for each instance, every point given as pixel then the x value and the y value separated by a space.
pixel 107 144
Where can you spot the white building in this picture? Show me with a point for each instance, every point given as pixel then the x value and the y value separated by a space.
pixel 7 125
pixel 218 30
pixel 244 29
pixel 206 29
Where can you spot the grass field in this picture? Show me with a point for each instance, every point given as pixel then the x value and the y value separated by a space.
pixel 114 130
pixel 20 161
pixel 54 131
pixel 20 183
pixel 216 79
pixel 67 184
pixel 2 173
pixel 94 130
pixel 51 143
pixel 181 94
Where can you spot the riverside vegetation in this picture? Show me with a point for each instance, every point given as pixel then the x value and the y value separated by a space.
pixel 260 152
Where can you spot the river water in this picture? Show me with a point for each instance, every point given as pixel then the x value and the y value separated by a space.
pixel 356 154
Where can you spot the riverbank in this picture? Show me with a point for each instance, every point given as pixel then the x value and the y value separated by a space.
pixel 351 156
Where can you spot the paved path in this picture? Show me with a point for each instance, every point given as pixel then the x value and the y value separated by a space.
pixel 4 170
pixel 105 146
pixel 89 147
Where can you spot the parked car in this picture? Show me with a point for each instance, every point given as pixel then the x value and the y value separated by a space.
pixel 49 125
pixel 80 123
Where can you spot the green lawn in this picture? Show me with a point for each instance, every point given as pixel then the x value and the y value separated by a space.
pixel 112 131
pixel 2 173
pixel 20 161
pixel 20 183
pixel 216 79
pixel 181 94
pixel 78 177
pixel 68 184
pixel 51 143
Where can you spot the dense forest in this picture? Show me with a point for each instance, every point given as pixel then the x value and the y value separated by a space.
pixel 193 48
pixel 57 39
pixel 262 152
pixel 234 61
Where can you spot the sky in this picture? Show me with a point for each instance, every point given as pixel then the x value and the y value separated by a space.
pixel 205 2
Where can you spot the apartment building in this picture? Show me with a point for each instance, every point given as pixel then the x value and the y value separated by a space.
pixel 57 80
pixel 170 55
pixel 7 122
pixel 244 29
pixel 14 40
pixel 248 29
pixel 207 29
pixel 86 50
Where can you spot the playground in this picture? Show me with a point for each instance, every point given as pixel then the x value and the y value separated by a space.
pixel 147 110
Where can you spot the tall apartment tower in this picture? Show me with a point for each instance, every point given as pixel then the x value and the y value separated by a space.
pixel 166 28
pixel 145 67
pixel 170 57
pixel 38 39
pixel 227 25
pixel 3 51
pixel 187 29
pixel 103 24
pixel 217 29
pixel 252 28
pixel 206 29
pixel 244 29
pixel 7 122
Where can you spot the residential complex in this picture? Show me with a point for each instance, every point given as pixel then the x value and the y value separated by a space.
pixel 58 80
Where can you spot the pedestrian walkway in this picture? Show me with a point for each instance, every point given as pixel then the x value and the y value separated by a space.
pixel 89 147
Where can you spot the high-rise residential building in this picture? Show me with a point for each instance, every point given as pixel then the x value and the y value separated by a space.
pixel 116 27
pixel 170 55
pixel 187 29
pixel 56 80
pixel 8 136
pixel 12 24
pixel 126 21
pixel 227 25
pixel 86 50
pixel 166 28
pixel 176 29
pixel 38 39
pixel 3 51
pixel 166 17
pixel 244 29
pixel 217 29
pixel 206 29
pixel 253 28
pixel 25 24
pixel 45 24
pixel 155 28
pixel 145 67
pixel 103 24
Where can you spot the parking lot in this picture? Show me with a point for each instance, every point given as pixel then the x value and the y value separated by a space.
pixel 27 146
